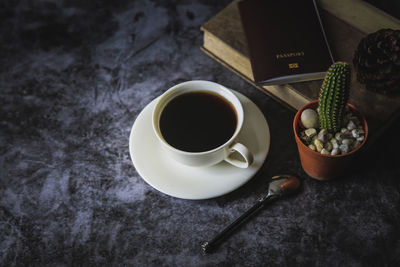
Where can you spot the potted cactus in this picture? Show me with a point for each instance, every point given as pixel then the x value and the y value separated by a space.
pixel 329 132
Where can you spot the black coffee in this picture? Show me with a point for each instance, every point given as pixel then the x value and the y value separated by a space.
pixel 197 121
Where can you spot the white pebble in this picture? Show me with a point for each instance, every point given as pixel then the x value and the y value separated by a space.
pixel 335 151
pixel 338 136
pixel 319 145
pixel 309 118
pixel 313 138
pixel 344 148
pixel 355 133
pixel 323 135
pixel 347 141
pixel 351 125
pixel 312 147
pixel 310 132
pixel 325 152
pixel 335 143
pixel 344 130
pixel 360 138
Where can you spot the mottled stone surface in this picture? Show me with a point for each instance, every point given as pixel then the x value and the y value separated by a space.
pixel 74 75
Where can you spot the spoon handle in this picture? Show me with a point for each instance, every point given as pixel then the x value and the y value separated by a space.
pixel 208 246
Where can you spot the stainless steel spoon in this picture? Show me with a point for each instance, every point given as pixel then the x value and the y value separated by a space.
pixel 280 185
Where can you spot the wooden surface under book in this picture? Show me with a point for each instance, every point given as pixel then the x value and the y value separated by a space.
pixel 224 40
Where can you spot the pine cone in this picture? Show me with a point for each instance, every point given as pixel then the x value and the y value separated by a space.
pixel 377 61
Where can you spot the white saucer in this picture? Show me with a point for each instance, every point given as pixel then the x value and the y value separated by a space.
pixel 181 181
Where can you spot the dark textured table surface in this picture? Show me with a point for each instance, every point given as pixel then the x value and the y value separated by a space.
pixel 74 75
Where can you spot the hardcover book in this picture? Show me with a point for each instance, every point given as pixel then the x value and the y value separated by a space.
pixel 286 41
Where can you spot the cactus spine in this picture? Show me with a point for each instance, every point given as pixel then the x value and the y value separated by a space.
pixel 333 96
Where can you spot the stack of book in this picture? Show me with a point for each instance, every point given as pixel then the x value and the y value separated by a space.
pixel 225 41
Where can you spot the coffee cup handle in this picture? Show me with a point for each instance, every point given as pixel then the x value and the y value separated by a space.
pixel 247 156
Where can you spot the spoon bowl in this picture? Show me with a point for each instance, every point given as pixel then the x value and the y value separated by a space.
pixel 280 185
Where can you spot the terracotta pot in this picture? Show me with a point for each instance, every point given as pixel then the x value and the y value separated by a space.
pixel 325 167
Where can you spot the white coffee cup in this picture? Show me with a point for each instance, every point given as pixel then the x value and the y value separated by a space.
pixel 225 151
